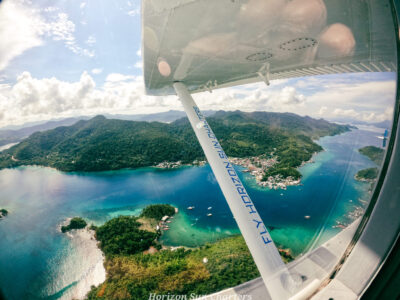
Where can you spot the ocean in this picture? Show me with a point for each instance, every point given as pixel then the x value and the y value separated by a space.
pixel 37 261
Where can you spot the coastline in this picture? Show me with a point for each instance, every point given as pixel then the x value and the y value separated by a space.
pixel 92 269
pixel 256 166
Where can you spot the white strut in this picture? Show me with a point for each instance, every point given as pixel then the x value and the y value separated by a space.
pixel 266 256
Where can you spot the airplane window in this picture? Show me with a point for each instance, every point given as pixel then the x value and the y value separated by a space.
pixel 180 149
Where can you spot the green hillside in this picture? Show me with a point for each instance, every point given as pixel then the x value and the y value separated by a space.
pixel 373 153
pixel 102 144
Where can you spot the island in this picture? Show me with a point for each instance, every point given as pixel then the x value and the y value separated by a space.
pixel 368 175
pixel 74 223
pixel 134 271
pixel 376 155
pixel 3 213
pixel 373 153
pixel 275 143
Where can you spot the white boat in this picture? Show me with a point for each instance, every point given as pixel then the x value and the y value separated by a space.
pixel 209 208
pixel 209 215
pixel 190 207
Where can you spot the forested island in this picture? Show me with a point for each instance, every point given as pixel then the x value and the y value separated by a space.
pixel 369 174
pixel 128 235
pixel 101 144
pixel 376 155
pixel 134 273
pixel 74 223
pixel 373 153
pixel 3 213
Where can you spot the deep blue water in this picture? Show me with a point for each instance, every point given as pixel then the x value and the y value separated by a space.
pixel 32 249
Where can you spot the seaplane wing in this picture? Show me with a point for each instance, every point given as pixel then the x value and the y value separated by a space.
pixel 209 44
pixel 196 45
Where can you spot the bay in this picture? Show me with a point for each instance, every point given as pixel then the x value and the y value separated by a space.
pixel 37 261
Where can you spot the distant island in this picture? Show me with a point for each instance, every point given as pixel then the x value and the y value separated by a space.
pixel 74 223
pixel 369 174
pixel 270 145
pixel 373 153
pixel 376 155
pixel 3 213
pixel 137 264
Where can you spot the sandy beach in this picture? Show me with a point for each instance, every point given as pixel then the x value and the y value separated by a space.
pixel 88 259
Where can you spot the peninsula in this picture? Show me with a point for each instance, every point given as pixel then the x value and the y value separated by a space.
pixel 376 155
pixel 3 213
pixel 373 153
pixel 74 223
pixel 137 264
pixel 276 143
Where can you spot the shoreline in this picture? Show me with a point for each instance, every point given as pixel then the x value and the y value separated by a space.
pixel 85 245
pixel 256 166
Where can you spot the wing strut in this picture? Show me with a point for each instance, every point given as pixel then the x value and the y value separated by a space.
pixel 266 256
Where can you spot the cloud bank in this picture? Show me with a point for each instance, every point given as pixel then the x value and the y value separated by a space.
pixel 33 99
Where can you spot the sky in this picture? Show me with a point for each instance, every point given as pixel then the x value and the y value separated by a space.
pixel 64 58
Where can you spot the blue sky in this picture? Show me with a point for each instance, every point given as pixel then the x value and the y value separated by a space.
pixel 106 36
pixel 72 57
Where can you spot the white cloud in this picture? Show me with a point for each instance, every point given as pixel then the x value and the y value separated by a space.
pixel 82 5
pixel 97 70
pixel 32 99
pixel 322 110
pixel 345 112
pixel 138 64
pixel 134 12
pixel 62 29
pixel 289 96
pixel 370 101
pixel 366 116
pixel 20 30
pixel 51 9
pixel 91 40
pixel 117 77
pixel 23 28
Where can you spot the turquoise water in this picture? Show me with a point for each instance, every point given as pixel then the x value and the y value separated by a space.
pixel 39 199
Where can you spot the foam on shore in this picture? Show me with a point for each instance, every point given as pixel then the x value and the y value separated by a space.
pixel 82 267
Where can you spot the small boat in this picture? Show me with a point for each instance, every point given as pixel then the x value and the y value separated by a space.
pixel 209 215
pixel 167 228
pixel 190 207
pixel 168 221
pixel 307 217
pixel 209 208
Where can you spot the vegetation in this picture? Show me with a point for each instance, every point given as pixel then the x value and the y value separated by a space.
pixel 369 174
pixel 132 273
pixel 178 272
pixel 3 213
pixel 122 236
pixel 75 223
pixel 101 144
pixel 282 171
pixel 157 211
pixel 373 153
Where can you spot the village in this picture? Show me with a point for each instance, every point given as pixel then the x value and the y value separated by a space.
pixel 258 165
pixel 255 166
pixel 178 164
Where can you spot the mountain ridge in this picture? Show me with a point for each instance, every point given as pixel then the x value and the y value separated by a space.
pixel 101 144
